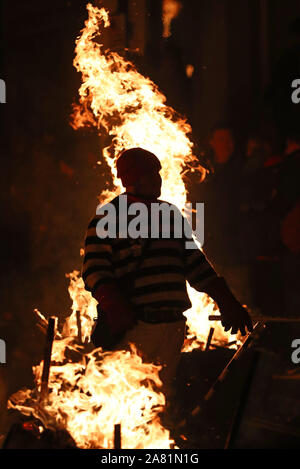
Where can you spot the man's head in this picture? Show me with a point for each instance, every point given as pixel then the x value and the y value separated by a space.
pixel 139 170
pixel 222 143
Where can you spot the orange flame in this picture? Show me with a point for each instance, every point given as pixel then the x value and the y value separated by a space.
pixel 124 104
pixel 87 398
pixel 171 9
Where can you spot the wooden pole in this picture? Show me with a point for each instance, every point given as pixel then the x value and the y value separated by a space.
pixel 79 326
pixel 47 356
pixel 117 436
pixel 258 327
pixel 208 342
pixel 241 406
pixel 250 337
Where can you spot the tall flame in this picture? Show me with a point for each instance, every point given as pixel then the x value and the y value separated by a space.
pixel 120 102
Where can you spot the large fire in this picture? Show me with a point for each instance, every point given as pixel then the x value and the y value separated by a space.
pixel 118 100
pixel 90 391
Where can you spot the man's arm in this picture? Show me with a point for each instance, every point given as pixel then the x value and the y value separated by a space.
pixel 201 276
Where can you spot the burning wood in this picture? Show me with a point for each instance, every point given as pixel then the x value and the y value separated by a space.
pixel 88 396
pixel 247 343
pixel 117 437
pixel 228 345
pixel 251 336
pixel 47 357
pixel 79 326
pixel 210 335
pixel 31 434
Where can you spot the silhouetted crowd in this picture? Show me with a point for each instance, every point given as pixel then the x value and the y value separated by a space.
pixel 252 217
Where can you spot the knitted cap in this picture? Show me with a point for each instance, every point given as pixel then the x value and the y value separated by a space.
pixel 135 162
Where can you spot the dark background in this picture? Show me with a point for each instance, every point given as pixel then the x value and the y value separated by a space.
pixel 49 176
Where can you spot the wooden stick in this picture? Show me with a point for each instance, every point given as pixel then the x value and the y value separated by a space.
pixel 211 333
pixel 214 317
pixel 242 402
pixel 217 317
pixel 250 337
pixel 225 346
pixel 231 343
pixel 117 436
pixel 79 326
pixel 47 356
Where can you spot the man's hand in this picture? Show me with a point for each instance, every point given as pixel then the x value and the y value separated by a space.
pixel 233 314
pixel 119 313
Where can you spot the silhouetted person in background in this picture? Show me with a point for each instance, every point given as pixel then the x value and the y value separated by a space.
pixel 222 143
pixel 219 192
pixel 287 206
pixel 282 111
pixel 256 185
pixel 277 261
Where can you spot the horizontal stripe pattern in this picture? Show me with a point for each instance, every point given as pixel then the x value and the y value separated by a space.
pixel 161 277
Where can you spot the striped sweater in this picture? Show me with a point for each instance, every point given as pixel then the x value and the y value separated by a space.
pixel 160 280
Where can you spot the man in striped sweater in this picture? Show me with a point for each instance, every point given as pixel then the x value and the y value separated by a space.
pixel 140 281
